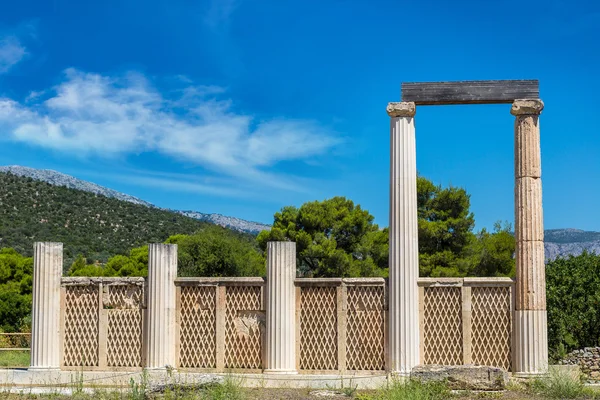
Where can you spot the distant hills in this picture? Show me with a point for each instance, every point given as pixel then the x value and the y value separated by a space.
pixel 558 242
pixel 565 242
pixel 89 224
pixel 59 179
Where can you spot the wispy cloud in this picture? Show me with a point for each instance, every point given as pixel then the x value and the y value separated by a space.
pixel 11 52
pixel 95 115
pixel 181 185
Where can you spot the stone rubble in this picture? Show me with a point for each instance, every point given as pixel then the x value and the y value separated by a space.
pixel 588 360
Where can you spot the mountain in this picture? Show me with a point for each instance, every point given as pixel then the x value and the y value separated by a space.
pixel 59 179
pixel 236 224
pixel 89 224
pixel 565 242
pixel 558 242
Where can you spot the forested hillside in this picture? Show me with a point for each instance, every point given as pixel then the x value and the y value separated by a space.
pixel 94 226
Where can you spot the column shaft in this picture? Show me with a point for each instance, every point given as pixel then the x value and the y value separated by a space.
pixel 403 242
pixel 160 326
pixel 531 337
pixel 281 308
pixel 45 322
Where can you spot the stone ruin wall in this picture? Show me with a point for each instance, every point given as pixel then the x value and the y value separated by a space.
pixel 588 360
pixel 340 323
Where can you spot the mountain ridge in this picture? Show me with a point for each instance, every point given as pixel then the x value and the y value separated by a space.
pixel 557 243
pixel 57 178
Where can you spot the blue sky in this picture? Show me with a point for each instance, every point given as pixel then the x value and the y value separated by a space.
pixel 241 107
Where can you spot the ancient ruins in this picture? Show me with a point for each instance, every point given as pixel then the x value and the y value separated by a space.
pixel 286 325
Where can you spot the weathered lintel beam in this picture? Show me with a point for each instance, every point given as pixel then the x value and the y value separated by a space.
pixel 469 92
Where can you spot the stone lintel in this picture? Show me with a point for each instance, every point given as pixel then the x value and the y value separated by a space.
pixel 527 107
pixel 401 109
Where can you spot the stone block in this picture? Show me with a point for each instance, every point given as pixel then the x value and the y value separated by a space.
pixel 463 377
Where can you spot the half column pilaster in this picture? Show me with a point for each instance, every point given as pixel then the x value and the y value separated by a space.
pixel 160 325
pixel 45 315
pixel 281 308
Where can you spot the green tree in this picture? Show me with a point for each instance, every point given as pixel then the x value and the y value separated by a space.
pixel 445 229
pixel 15 290
pixel 334 238
pixel 212 251
pixel 337 238
pixel 573 303
pixel 492 253
pixel 136 264
pixel 216 251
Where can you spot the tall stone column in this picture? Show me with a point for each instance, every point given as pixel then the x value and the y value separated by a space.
pixel 404 242
pixel 45 321
pixel 281 308
pixel 531 331
pixel 160 325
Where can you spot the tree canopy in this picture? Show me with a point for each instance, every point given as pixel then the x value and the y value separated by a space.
pixel 15 290
pixel 573 303
pixel 216 251
pixel 212 251
pixel 447 244
pixel 333 237
pixel 336 238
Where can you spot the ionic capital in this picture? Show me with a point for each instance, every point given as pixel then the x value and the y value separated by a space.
pixel 401 109
pixel 527 107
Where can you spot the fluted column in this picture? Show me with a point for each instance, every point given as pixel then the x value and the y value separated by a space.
pixel 281 308
pixel 404 242
pixel 45 318
pixel 160 326
pixel 531 331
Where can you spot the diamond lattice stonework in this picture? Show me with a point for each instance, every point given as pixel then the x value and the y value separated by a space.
pixel 124 336
pixel 124 344
pixel 244 327
pixel 318 328
pixel 365 328
pixel 442 325
pixel 197 327
pixel 80 348
pixel 491 327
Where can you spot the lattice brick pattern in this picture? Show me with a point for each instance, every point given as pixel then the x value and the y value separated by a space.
pixel 197 327
pixel 365 328
pixel 124 339
pixel 491 326
pixel 244 325
pixel 124 296
pixel 442 326
pixel 318 328
pixel 81 326
pixel 124 336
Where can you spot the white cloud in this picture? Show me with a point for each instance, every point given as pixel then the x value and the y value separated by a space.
pixel 91 114
pixel 11 52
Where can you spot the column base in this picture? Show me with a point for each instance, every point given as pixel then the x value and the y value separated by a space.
pixel 531 343
pixel 529 375
pixel 281 371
